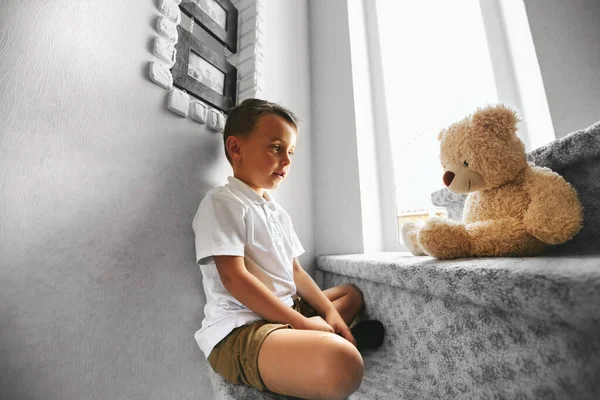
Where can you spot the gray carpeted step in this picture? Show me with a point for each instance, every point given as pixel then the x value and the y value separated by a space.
pixel 518 328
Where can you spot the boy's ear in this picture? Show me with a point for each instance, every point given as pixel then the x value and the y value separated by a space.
pixel 233 147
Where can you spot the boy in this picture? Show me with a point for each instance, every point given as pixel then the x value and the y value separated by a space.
pixel 267 324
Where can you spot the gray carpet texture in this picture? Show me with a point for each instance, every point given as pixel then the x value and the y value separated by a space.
pixel 493 328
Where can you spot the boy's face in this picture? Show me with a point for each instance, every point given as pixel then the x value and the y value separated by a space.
pixel 265 155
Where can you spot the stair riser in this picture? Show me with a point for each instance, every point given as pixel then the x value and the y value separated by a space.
pixel 448 349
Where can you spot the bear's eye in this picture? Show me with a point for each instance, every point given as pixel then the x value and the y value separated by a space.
pixel 465 163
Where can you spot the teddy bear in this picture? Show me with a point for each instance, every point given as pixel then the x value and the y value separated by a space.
pixel 513 208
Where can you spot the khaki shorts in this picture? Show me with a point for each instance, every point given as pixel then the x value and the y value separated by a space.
pixel 235 357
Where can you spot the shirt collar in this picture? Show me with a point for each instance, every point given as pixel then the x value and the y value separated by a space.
pixel 250 193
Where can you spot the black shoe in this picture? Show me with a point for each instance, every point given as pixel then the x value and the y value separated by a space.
pixel 368 334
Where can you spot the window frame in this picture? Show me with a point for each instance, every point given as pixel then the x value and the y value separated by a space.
pixel 387 197
pixel 510 79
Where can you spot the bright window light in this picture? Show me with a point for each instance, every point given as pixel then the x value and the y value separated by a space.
pixel 436 70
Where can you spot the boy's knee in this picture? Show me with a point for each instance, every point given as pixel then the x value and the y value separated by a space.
pixel 345 370
pixel 356 293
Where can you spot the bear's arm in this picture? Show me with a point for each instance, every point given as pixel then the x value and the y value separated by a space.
pixel 471 208
pixel 554 214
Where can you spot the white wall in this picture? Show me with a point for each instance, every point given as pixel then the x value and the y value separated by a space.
pixel 347 209
pixel 338 227
pixel 287 82
pixel 566 35
pixel 99 293
pixel 367 140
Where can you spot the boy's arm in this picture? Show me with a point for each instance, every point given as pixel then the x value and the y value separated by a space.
pixel 252 293
pixel 309 291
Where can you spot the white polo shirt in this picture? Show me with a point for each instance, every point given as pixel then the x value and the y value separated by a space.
pixel 234 220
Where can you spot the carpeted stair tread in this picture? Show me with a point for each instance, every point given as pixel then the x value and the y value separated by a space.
pixel 554 288
pixel 459 330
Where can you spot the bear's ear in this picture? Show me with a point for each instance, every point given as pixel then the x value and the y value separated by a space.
pixel 500 120
pixel 441 134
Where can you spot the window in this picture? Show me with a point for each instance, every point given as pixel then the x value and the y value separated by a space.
pixel 436 69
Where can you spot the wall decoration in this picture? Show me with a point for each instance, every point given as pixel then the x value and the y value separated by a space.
pixel 249 58
pixel 217 17
pixel 198 111
pixel 208 74
pixel 160 75
pixel 216 120
pixel 178 102
pixel 212 73
pixel 203 72
pixel 166 29
pixel 165 51
pixel 170 9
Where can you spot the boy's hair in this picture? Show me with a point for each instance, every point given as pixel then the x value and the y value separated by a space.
pixel 242 119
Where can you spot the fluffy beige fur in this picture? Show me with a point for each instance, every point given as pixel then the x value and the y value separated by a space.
pixel 513 208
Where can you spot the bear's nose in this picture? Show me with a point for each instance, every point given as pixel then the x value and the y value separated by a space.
pixel 448 178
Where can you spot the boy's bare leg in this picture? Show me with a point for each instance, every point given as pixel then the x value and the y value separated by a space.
pixel 347 299
pixel 310 364
pixel 313 364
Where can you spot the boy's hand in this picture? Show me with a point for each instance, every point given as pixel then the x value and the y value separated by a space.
pixel 335 320
pixel 316 324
